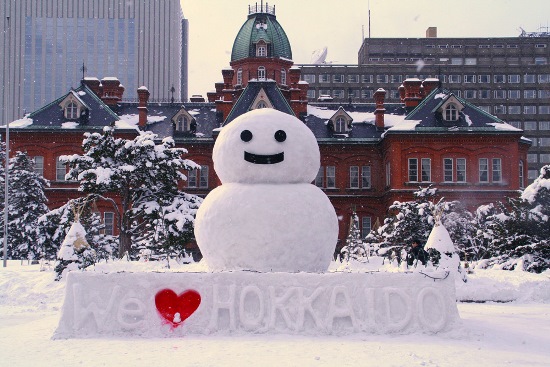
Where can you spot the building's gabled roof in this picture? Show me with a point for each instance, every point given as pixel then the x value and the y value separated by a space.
pixel 261 26
pixel 249 95
pixel 51 116
pixel 427 117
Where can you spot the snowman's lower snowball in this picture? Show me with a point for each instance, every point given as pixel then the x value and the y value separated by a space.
pixel 267 227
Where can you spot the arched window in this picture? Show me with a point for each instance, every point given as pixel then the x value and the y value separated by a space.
pixel 71 111
pixel 340 126
pixel 283 76
pixel 261 104
pixel 239 76
pixel 451 113
pixel 261 73
pixel 181 123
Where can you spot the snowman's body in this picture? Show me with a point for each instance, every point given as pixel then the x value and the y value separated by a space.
pixel 266 215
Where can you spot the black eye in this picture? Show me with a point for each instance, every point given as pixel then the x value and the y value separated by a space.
pixel 280 136
pixel 246 135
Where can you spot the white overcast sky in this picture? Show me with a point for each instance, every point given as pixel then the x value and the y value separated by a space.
pixel 337 24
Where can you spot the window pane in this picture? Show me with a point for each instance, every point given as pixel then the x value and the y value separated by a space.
pixel 365 226
pixel 365 177
pixel 109 222
pixel 39 165
pixel 320 177
pixel 426 169
pixel 331 176
pixel 60 170
pixel 448 169
pixel 497 170
pixel 483 170
pixel 192 178
pixel 460 170
pixel 354 177
pixel 204 177
pixel 413 169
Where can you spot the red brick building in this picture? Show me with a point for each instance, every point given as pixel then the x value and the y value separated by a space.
pixel 371 154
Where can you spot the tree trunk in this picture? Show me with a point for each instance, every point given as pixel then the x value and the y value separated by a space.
pixel 125 239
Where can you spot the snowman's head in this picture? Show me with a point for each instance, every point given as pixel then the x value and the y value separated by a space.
pixel 266 146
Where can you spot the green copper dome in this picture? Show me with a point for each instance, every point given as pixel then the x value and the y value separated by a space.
pixel 261 26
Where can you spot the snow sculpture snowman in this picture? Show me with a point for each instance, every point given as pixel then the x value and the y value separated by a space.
pixel 266 215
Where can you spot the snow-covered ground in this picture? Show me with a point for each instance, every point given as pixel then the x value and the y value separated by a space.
pixel 515 331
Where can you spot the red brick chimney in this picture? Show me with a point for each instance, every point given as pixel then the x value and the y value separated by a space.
pixel 143 97
pixel 429 85
pixel 379 112
pixel 228 78
pixel 94 84
pixel 412 93
pixel 401 91
pixel 112 91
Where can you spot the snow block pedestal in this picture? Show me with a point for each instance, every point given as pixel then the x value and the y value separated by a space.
pixel 243 303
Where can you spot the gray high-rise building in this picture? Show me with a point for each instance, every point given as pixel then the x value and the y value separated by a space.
pixel 507 76
pixel 49 42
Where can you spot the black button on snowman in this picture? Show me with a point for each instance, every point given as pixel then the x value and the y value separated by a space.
pixel 266 215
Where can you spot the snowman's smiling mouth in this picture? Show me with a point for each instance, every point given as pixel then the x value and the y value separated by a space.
pixel 264 159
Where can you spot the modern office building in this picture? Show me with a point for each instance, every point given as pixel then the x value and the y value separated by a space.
pixel 506 77
pixel 48 42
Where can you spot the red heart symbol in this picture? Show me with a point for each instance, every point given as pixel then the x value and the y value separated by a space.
pixel 175 309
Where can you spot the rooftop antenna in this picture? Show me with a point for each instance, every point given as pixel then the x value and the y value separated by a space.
pixel 369 17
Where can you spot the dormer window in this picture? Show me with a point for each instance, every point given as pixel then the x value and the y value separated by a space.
pixel 71 111
pixel 340 122
pixel 261 49
pixel 261 73
pixel 73 106
pixel 451 113
pixel 184 122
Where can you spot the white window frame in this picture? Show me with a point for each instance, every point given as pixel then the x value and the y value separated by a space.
pixel 483 169
pixel 448 168
pixel 366 177
pixel 425 170
pixel 450 113
pixel 39 165
pixel 331 177
pixel 354 177
pixel 496 170
pixel 261 72
pixel 60 170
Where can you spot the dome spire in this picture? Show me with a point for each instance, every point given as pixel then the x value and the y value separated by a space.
pixel 254 9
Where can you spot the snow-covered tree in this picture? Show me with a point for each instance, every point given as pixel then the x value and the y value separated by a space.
pixel 355 247
pixel 169 227
pixel 521 228
pixel 144 175
pixel 26 203
pixel 405 222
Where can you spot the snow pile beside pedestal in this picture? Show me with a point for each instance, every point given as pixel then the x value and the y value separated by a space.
pixel 242 303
